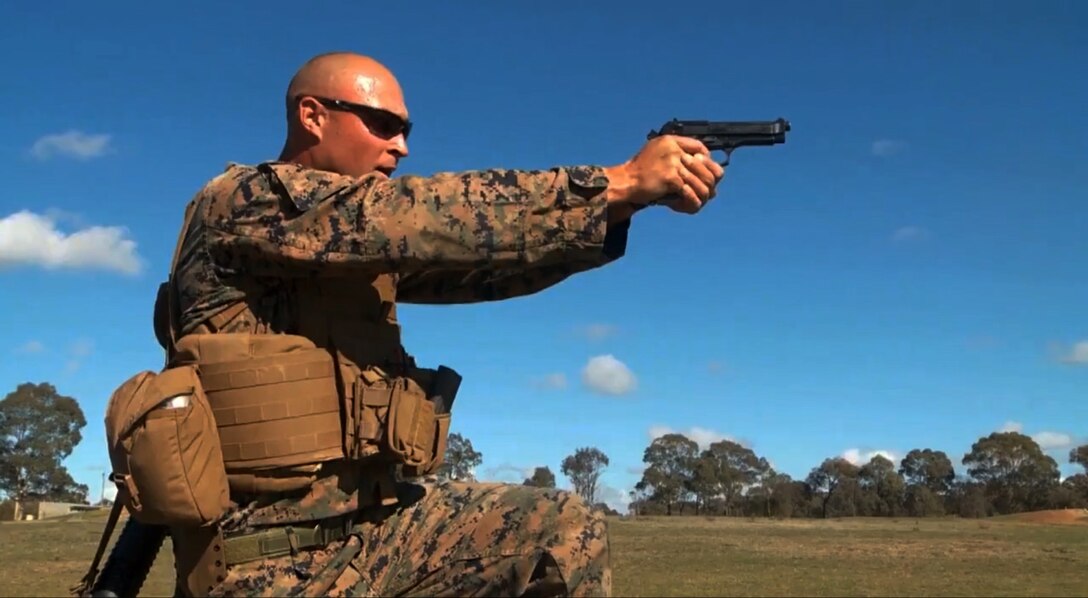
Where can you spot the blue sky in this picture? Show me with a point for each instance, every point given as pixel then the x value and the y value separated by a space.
pixel 907 271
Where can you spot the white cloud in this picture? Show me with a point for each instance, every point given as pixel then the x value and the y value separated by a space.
pixel 1049 441
pixel 887 147
pixel 30 347
pixel 910 233
pixel 702 436
pixel 598 331
pixel 73 144
pixel 507 472
pixel 31 239
pixel 605 374
pixel 857 457
pixel 1077 354
pixel 616 498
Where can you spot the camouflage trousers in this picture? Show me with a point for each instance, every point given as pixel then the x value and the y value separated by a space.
pixel 449 539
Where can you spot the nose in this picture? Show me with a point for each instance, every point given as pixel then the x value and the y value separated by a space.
pixel 400 146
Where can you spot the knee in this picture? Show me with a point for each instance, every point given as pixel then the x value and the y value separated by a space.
pixel 582 547
pixel 577 514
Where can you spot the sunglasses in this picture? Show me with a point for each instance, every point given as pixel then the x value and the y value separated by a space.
pixel 381 122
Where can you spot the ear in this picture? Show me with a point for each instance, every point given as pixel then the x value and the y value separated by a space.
pixel 311 116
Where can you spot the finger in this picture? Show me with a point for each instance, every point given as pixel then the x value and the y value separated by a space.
pixel 692 181
pixel 691 145
pixel 689 201
pixel 702 168
pixel 717 169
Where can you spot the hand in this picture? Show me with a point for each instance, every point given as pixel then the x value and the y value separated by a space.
pixel 672 168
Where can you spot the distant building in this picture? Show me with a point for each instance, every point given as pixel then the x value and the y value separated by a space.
pixel 35 510
pixel 56 509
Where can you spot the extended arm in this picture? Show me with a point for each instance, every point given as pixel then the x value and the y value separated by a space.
pixel 285 220
pixel 493 284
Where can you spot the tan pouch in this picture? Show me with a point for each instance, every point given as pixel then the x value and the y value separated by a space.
pixel 441 433
pixel 165 451
pixel 277 404
pixel 393 416
pixel 411 424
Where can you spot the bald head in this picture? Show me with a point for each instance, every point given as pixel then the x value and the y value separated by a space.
pixel 346 76
pixel 345 113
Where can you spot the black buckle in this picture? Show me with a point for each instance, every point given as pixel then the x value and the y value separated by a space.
pixel 332 528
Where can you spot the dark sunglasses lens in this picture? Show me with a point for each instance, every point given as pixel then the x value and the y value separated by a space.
pixel 387 125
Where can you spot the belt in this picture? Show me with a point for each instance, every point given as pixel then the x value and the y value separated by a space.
pixel 281 541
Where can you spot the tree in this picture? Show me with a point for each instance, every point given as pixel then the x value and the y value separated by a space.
pixel 1014 470
pixel 705 481
pixel 39 428
pixel 1078 484
pixel 882 487
pixel 461 460
pixel 968 499
pixel 583 468
pixel 929 468
pixel 1079 455
pixel 920 501
pixel 828 477
pixel 783 494
pixel 1077 487
pixel 670 460
pixel 733 468
pixel 542 478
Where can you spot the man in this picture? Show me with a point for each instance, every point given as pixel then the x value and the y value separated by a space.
pixel 317 247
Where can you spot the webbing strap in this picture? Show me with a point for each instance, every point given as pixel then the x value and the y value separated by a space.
pixel 85 585
pixel 276 542
pixel 279 440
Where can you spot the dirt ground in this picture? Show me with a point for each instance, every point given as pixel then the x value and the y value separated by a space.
pixel 1057 516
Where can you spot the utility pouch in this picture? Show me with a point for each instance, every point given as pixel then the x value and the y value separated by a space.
pixel 442 385
pixel 394 417
pixel 165 449
pixel 438 454
pixel 411 424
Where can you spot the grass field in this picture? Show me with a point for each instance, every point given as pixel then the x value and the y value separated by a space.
pixel 1043 554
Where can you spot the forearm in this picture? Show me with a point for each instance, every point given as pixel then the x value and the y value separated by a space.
pixel 490 284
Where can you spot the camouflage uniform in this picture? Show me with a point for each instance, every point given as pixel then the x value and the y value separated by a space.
pixel 262 238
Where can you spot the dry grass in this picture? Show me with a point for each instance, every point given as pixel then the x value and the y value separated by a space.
pixel 46 558
pixel 696 556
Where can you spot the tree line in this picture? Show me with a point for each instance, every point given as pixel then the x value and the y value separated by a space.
pixel 1005 472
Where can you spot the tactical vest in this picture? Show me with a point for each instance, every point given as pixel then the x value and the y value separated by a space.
pixel 302 400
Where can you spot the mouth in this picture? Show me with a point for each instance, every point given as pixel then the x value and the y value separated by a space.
pixel 386 170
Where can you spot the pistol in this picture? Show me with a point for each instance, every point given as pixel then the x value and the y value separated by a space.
pixel 726 136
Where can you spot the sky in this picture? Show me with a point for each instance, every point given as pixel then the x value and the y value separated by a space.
pixel 906 271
